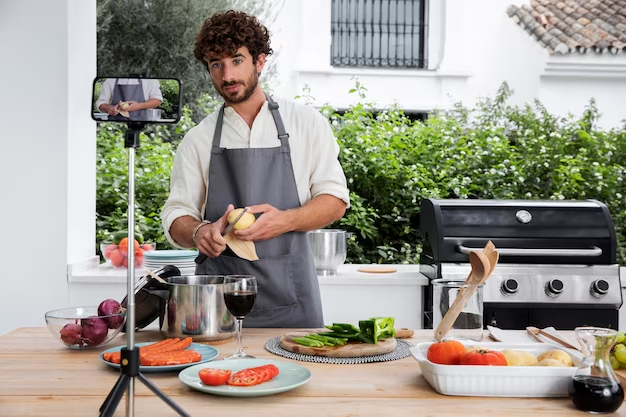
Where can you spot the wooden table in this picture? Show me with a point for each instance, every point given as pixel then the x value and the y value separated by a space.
pixel 40 377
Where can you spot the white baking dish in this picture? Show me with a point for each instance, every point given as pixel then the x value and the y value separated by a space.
pixel 498 381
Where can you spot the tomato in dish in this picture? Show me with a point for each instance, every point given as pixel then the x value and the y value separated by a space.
pixel 448 352
pixel 484 357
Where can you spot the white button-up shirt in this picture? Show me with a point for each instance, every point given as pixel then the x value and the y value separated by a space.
pixel 314 152
pixel 150 87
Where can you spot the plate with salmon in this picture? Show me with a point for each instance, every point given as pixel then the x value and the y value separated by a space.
pixel 167 355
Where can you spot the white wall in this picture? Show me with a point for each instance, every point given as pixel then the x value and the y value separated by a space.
pixel 47 53
pixel 567 85
pixel 473 47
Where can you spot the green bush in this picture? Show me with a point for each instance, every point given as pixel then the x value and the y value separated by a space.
pixel 491 151
pixel 170 90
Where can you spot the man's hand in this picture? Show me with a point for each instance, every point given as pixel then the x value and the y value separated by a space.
pixel 271 223
pixel 133 106
pixel 321 211
pixel 209 239
pixel 112 110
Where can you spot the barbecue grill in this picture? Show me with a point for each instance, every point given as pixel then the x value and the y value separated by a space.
pixel 558 259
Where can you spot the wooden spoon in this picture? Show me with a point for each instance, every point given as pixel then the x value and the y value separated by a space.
pixel 155 276
pixel 493 256
pixel 488 250
pixel 480 268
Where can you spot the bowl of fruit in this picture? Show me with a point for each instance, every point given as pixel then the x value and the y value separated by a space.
pixel 115 252
pixel 86 327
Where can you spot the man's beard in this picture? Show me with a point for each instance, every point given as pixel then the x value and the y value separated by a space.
pixel 245 91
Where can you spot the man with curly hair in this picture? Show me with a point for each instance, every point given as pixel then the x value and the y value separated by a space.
pixel 281 164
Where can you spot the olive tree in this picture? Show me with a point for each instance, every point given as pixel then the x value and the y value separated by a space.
pixel 155 38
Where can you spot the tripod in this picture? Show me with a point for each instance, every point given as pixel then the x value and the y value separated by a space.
pixel 130 354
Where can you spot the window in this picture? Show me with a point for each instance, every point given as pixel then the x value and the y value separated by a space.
pixel 378 33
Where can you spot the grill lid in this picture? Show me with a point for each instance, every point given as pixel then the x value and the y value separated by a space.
pixel 524 231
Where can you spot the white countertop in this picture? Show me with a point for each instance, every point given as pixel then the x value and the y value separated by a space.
pixel 347 274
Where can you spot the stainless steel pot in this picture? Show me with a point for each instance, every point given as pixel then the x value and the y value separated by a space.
pixel 329 248
pixel 195 308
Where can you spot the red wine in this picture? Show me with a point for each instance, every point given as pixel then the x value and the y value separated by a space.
pixel 595 394
pixel 239 303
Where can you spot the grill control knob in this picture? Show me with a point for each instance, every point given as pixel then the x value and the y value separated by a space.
pixel 599 288
pixel 509 287
pixel 554 288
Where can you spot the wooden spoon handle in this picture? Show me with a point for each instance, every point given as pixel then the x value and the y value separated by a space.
pixel 453 313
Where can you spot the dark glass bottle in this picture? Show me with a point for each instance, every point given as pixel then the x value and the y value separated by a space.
pixel 594 387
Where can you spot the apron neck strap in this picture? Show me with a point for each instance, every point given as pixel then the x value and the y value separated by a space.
pixel 283 136
pixel 217 135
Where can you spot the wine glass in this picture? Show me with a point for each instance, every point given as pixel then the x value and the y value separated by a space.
pixel 239 296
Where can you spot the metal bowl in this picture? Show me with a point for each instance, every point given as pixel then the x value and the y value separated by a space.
pixel 329 248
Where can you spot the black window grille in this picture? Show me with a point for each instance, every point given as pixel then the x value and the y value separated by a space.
pixel 379 33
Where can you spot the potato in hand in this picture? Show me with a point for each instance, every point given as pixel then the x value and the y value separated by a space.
pixel 245 222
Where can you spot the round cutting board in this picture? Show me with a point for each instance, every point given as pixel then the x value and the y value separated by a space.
pixel 350 350
pixel 378 270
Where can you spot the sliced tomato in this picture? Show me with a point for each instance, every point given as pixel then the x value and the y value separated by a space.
pixel 266 373
pixel 274 370
pixel 269 371
pixel 253 376
pixel 211 376
pixel 245 380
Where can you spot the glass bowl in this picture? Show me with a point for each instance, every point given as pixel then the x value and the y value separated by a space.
pixel 82 327
pixel 115 254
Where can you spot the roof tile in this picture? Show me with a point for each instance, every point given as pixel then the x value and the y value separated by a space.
pixel 568 26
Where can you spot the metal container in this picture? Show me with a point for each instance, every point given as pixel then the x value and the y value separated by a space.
pixel 329 248
pixel 195 308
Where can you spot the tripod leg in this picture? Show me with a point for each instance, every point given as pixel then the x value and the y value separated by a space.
pixel 162 396
pixel 114 397
pixel 115 387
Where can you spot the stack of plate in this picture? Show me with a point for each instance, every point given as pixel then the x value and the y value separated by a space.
pixel 182 259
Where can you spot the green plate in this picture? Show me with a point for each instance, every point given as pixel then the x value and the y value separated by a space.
pixel 289 376
pixel 208 353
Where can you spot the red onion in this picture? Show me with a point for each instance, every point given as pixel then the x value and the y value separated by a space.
pixel 109 307
pixel 70 334
pixel 94 331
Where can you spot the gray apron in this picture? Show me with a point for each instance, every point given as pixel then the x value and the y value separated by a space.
pixel 288 289
pixel 127 93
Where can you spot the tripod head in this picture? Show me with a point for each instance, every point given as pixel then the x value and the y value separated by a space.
pixel 131 136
